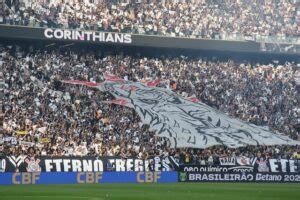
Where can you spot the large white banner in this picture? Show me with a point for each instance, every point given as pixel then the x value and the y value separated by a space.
pixel 184 122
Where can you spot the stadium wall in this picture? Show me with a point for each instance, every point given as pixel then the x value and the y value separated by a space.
pixel 81 170
pixel 87 177
pixel 109 38
pixel 18 178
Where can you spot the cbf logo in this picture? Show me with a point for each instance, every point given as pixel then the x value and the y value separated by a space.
pixel 182 176
pixel 25 178
pixel 89 177
pixel 148 177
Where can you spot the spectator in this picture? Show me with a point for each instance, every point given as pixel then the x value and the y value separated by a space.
pixel 60 119
pixel 232 19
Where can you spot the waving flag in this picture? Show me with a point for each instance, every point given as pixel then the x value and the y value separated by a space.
pixel 186 123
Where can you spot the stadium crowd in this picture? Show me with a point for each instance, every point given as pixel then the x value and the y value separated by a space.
pixel 213 19
pixel 61 119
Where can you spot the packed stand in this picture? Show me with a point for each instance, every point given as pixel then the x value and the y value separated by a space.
pixel 60 119
pixel 212 19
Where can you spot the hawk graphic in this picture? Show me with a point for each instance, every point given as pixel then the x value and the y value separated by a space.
pixel 185 122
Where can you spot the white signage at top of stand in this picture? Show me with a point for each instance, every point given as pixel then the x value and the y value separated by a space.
pixel 87 36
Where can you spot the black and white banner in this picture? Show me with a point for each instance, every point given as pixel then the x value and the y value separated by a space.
pixel 237 177
pixel 248 165
pixel 227 160
pixel 84 164
pixel 215 168
pixel 184 122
